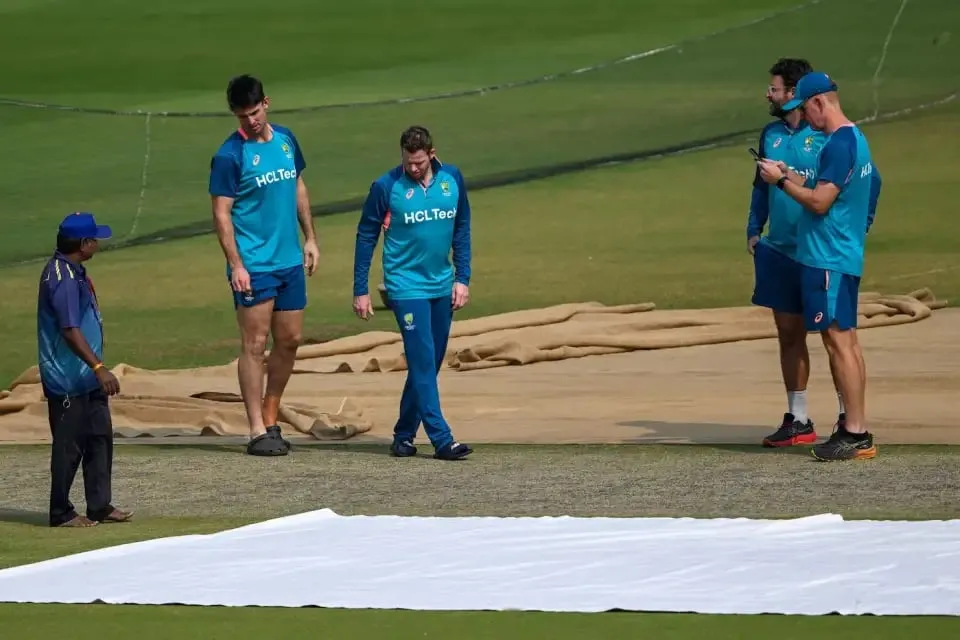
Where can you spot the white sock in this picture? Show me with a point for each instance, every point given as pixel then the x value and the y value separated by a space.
pixel 843 409
pixel 797 405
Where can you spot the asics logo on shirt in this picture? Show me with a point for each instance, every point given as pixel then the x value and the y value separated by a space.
pixel 428 215
pixel 279 175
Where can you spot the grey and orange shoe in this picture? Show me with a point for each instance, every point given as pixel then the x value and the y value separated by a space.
pixel 843 445
pixel 791 433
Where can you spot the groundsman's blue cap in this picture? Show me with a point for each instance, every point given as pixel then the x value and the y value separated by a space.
pixel 812 84
pixel 81 225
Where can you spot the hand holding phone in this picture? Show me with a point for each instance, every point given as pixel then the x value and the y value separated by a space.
pixel 756 156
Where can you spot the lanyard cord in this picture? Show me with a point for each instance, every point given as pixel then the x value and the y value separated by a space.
pixel 96 304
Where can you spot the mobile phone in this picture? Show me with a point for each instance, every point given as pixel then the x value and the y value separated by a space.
pixel 753 152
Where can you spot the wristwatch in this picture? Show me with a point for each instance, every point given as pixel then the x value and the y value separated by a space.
pixel 780 182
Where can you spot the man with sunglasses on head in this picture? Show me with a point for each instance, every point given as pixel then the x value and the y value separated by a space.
pixel 838 206
pixel 794 144
pixel 259 198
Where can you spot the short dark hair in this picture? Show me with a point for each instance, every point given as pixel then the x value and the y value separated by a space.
pixel 416 138
pixel 244 92
pixel 68 245
pixel 791 70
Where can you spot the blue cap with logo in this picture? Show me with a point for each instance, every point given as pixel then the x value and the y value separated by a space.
pixel 810 85
pixel 81 225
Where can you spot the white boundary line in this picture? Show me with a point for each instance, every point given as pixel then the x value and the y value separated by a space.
pixel 883 58
pixel 670 154
pixel 143 181
pixel 481 91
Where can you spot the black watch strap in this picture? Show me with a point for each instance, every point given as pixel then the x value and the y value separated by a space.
pixel 781 181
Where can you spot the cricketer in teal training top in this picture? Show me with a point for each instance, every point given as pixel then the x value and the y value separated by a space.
pixel 791 140
pixel 423 210
pixel 831 239
pixel 795 145
pixel 259 200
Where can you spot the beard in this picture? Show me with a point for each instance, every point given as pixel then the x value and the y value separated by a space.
pixel 776 110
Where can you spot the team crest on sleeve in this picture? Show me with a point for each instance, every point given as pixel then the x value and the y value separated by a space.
pixel 445 188
pixel 286 149
pixel 808 144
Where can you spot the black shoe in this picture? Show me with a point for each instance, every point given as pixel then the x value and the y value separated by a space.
pixel 453 451
pixel 791 432
pixel 844 445
pixel 402 449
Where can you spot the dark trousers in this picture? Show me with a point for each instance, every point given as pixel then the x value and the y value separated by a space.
pixel 82 432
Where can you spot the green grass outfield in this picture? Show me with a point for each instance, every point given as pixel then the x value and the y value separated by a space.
pixel 635 252
pixel 161 623
pixel 668 231
pixel 178 55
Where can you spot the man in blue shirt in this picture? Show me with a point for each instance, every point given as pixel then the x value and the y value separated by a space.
pixel 75 382
pixel 792 141
pixel 259 197
pixel 831 236
pixel 422 207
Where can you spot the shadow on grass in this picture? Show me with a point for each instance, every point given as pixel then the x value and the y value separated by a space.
pixel 719 434
pixel 760 450
pixel 22 516
pixel 374 449
pixel 305 447
pixel 299 448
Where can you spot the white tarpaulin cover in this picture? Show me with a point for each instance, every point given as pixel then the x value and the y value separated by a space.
pixel 814 565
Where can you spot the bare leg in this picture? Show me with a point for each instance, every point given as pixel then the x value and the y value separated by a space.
pixel 841 409
pixel 794 357
pixel 796 427
pixel 287 327
pixel 254 325
pixel 846 360
pixel 863 372
pixel 833 375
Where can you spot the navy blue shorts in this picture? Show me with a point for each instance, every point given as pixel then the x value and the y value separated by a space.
pixel 287 288
pixel 776 280
pixel 829 297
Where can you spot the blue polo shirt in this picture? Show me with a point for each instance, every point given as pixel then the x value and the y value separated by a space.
pixel 422 225
pixel 66 300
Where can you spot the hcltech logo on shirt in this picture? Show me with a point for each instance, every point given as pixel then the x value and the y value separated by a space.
pixel 428 215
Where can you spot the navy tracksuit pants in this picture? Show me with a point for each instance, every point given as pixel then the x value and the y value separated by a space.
pixel 425 328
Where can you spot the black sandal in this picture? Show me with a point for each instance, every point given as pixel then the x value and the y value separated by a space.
pixel 274 430
pixel 267 445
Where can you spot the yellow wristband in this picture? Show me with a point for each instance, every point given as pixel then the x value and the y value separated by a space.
pixel 99 365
